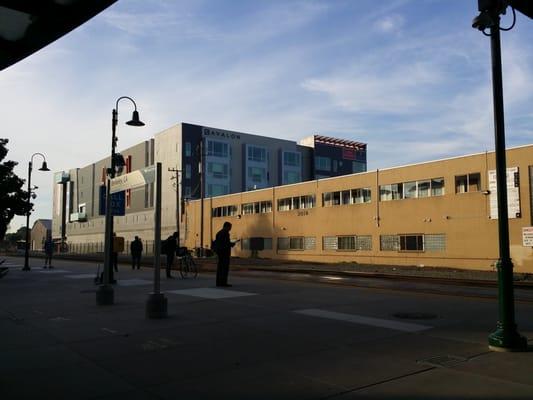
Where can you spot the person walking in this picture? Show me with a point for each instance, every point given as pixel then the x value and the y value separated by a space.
pixel 48 252
pixel 222 247
pixel 171 244
pixel 136 249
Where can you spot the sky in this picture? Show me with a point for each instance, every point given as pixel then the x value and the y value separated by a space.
pixel 412 79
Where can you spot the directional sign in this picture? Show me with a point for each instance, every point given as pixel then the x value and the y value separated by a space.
pixel 133 180
pixel 118 202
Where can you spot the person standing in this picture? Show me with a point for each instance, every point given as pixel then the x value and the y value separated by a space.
pixel 171 244
pixel 48 252
pixel 222 247
pixel 136 249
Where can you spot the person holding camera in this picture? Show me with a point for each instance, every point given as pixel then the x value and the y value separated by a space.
pixel 222 246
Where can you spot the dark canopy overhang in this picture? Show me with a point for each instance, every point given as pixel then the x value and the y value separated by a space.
pixel 27 26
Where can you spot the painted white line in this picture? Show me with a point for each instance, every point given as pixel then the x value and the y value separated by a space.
pixel 53 271
pixel 211 293
pixel 80 276
pixel 133 282
pixel 359 319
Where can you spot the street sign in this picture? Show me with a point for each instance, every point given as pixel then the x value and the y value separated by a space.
pixel 118 202
pixel 527 236
pixel 133 180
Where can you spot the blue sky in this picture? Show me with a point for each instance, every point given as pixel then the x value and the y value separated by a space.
pixel 410 78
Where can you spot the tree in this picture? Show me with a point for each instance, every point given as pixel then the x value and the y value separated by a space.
pixel 13 199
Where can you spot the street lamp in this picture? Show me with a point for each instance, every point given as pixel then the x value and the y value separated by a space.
pixel 44 167
pixel 105 293
pixel 506 336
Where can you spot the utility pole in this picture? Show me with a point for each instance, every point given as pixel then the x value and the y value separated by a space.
pixel 178 187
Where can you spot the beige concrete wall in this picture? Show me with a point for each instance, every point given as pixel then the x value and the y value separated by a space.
pixel 471 235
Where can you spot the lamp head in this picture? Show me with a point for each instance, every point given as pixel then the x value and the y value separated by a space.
pixel 135 121
pixel 44 167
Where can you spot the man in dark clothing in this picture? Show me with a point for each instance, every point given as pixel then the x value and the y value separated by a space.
pixel 223 247
pixel 136 248
pixel 48 252
pixel 171 245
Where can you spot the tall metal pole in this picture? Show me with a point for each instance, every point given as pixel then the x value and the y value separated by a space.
pixel 28 212
pixel 105 293
pixel 177 171
pixel 157 303
pixel 506 336
pixel 202 195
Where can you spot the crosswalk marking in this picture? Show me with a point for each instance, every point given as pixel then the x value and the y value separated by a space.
pixel 359 319
pixel 211 293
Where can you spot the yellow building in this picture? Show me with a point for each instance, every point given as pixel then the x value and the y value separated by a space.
pixel 437 213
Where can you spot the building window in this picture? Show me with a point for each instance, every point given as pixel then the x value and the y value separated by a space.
pixel 259 207
pixel 188 149
pixel 435 242
pixel 358 166
pixel 224 211
pixel 296 243
pixel 247 208
pixel 216 190
pixel 346 243
pixel 256 174
pixel 291 158
pixel 295 203
pixel 411 190
pixel 217 149
pixel 389 243
pixel 411 242
pixel 187 171
pixel 258 154
pixel 468 183
pixel 187 191
pixel 344 197
pixel 291 177
pixel 322 163
pixel 217 170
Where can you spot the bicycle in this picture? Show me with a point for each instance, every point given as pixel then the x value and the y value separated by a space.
pixel 187 265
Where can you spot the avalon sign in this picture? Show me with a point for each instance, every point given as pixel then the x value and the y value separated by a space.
pixel 133 180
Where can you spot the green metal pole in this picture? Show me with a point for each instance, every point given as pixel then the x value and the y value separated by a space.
pixel 506 336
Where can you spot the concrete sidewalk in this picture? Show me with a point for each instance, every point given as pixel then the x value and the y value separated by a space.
pixel 260 339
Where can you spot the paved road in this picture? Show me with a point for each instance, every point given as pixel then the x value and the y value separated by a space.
pixel 263 338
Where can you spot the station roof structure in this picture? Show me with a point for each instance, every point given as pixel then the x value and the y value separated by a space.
pixel 26 26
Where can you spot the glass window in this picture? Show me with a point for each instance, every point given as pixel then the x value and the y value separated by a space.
pixel 385 193
pixel 256 174
pixel 188 149
pixel 435 242
pixel 364 242
pixel 296 243
pixel 217 149
pixel 345 197
pixel 336 198
pixel 291 177
pixel 187 191
pixel 346 243
pixel 461 184
pixel 308 201
pixel 409 190
pixel 412 242
pixel 187 171
pixel 397 191
pixel 474 182
pixel 335 164
pixel 423 188
pixel 248 208
pixel 216 190
pixel 295 203
pixel 437 186
pixel 329 242
pixel 322 163
pixel 284 204
pixel 257 154
pixel 358 166
pixel 389 242
pixel 217 170
pixel 327 199
pixel 266 206
pixel 291 159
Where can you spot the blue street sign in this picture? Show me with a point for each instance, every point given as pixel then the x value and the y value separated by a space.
pixel 118 202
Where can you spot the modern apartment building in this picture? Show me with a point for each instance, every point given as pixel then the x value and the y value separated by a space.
pixel 231 162
pixel 436 213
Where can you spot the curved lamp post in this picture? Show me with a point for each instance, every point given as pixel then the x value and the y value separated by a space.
pixel 105 293
pixel 44 167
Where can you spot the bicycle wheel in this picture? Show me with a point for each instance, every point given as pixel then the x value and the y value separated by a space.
pixel 184 268
pixel 193 268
